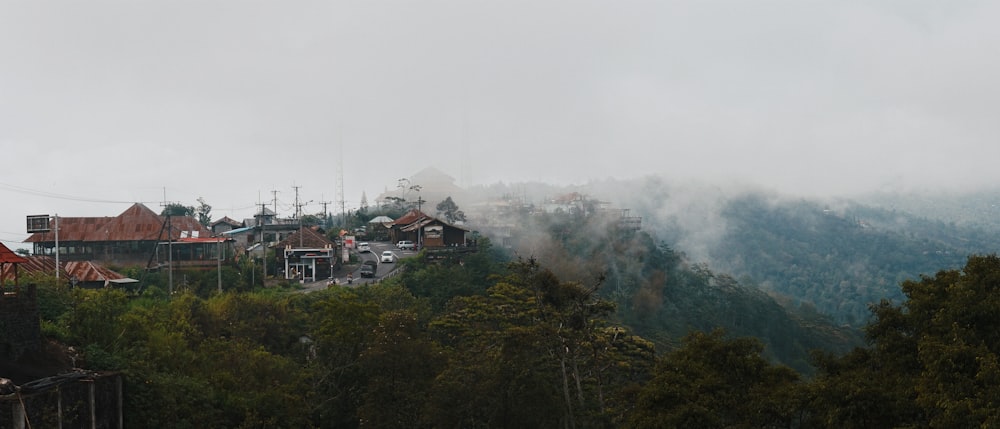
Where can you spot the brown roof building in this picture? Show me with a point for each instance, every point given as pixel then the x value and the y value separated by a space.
pixel 307 255
pixel 129 238
pixel 427 231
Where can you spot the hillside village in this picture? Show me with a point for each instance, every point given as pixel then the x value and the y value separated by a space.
pixel 117 251
pixel 91 248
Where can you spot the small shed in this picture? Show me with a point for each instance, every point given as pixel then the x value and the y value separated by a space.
pixel 8 264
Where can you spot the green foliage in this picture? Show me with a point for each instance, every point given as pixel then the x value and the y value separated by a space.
pixel 840 261
pixel 663 296
pixel 177 209
pixel 713 382
pixel 932 361
pixel 204 212
pixel 529 347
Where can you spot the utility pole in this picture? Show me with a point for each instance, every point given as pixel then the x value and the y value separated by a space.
pixel 57 246
pixel 340 188
pixel 326 215
pixel 263 244
pixel 170 242
pixel 218 264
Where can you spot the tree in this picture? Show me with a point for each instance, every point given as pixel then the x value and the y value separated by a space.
pixel 310 220
pixel 714 382
pixel 176 209
pixel 933 360
pixel 400 363
pixel 204 212
pixel 450 211
pixel 532 352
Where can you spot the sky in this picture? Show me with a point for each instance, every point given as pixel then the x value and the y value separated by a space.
pixel 105 103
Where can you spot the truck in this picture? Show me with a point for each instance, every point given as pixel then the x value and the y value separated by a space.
pixel 368 269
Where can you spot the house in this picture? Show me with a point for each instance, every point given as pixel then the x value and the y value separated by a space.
pixel 270 227
pixel 86 274
pixel 427 231
pixel 225 224
pixel 191 250
pixel 243 238
pixel 129 238
pixel 307 255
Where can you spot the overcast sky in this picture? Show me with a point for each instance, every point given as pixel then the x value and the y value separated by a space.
pixel 103 103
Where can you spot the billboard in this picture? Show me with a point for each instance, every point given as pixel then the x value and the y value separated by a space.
pixel 38 223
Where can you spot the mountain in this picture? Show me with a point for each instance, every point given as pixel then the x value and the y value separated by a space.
pixel 835 256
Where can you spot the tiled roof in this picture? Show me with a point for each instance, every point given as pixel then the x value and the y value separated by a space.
pixel 137 223
pixel 305 238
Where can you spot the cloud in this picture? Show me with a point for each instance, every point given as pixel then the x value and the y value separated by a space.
pixel 231 100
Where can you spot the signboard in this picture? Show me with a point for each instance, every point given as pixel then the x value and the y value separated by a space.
pixel 349 241
pixel 433 232
pixel 38 223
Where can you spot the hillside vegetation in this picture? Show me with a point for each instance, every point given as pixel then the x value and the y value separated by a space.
pixel 620 331
pixel 836 257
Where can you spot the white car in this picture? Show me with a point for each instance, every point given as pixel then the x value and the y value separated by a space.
pixel 388 256
pixel 364 247
pixel 406 245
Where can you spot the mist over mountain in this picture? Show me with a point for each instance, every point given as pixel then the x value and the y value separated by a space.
pixel 835 256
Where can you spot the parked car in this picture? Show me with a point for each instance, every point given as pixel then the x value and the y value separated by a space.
pixel 368 269
pixel 388 256
pixel 406 245
pixel 364 247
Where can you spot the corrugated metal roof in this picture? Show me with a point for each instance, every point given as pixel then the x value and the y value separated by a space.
pixel 410 217
pixel 9 257
pixel 33 264
pixel 137 223
pixel 237 230
pixel 86 271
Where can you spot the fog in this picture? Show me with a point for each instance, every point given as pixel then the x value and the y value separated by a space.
pixel 105 103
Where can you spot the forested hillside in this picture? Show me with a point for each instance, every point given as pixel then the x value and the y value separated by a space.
pixel 840 259
pixel 663 296
pixel 621 331
pixel 834 256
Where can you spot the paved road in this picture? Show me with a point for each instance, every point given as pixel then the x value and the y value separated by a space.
pixel 382 269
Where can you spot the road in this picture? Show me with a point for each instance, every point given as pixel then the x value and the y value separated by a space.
pixel 381 270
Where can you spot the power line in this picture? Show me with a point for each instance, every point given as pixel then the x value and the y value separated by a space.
pixel 35 192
